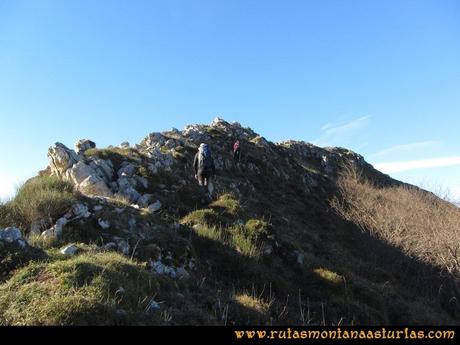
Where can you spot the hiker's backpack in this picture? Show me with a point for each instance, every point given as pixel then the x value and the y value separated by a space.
pixel 205 158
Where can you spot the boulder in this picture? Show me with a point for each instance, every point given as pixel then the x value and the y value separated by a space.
pixel 127 190
pixel 98 208
pixel 94 185
pixel 10 235
pixel 125 145
pixel 163 160
pixel 103 224
pixel 155 207
pixel 58 227
pixel 69 250
pixel 80 211
pixel 88 180
pixel 61 158
pixel 103 168
pixel 80 172
pixel 173 272
pixel 84 144
pixel 56 230
pixel 152 306
pixel 127 170
pixel 161 269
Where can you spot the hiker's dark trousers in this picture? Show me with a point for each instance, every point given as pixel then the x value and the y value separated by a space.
pixel 237 155
pixel 204 177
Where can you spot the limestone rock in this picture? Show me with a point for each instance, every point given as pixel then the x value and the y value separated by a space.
pixel 127 190
pixel 123 247
pixel 127 170
pixel 195 133
pixel 69 250
pixel 80 211
pixel 94 185
pixel 56 230
pixel 88 180
pixel 80 172
pixel 103 168
pixel 261 142
pixel 84 144
pixel 103 224
pixel 155 207
pixel 152 306
pixel 161 269
pixel 10 235
pixel 218 122
pixel 144 200
pixel 154 140
pixel 61 158
pixel 98 208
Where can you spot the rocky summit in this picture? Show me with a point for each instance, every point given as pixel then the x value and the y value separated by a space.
pixel 294 234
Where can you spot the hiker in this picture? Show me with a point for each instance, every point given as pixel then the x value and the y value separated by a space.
pixel 237 151
pixel 204 167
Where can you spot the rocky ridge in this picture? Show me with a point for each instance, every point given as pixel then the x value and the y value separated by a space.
pixel 270 224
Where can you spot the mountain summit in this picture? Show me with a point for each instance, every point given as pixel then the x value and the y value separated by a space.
pixel 294 234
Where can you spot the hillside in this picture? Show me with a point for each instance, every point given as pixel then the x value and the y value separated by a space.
pixel 296 234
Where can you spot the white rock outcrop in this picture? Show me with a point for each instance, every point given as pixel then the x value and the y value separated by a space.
pixel 69 250
pixel 69 165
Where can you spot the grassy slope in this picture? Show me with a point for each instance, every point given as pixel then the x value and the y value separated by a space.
pixel 327 266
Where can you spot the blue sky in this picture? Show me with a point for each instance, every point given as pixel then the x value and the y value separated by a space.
pixel 379 77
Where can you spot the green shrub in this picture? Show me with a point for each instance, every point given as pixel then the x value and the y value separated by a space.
pixel 39 198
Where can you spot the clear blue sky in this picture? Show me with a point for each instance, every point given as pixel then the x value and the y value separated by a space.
pixel 379 77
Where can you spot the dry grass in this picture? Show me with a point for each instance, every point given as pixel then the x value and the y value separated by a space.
pixel 422 225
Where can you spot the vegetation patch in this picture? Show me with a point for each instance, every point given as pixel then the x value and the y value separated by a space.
pixel 12 257
pixel 45 197
pixel 116 155
pixel 88 289
pixel 201 217
pixel 228 203
pixel 329 276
